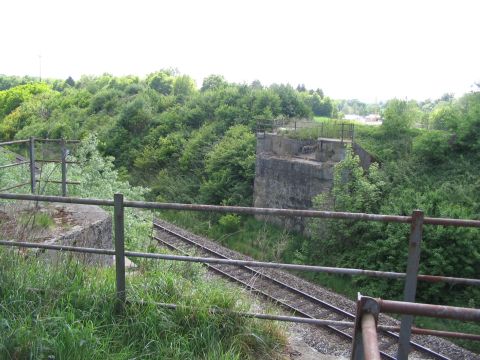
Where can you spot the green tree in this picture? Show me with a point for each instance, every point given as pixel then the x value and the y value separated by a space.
pixel 213 82
pixel 183 87
pixel 230 169
pixel 161 81
pixel 397 117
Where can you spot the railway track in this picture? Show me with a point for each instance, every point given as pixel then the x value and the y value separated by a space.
pixel 289 297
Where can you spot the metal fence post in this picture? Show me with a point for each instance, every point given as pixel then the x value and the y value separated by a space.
pixel 31 154
pixel 118 215
pixel 410 282
pixel 64 168
pixel 365 342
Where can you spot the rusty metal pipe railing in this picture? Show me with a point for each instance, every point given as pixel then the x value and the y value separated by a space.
pixel 14 142
pixel 58 141
pixel 14 164
pixel 272 265
pixel 370 340
pixel 437 311
pixel 57 199
pixel 55 161
pixel 439 333
pixel 251 211
pixel 260 316
pixel 59 181
pixel 16 186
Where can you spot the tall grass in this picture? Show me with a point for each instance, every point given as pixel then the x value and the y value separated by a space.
pixel 66 311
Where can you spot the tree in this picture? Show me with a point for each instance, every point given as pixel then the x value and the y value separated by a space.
pixel 213 82
pixel 70 81
pixel 161 81
pixel 230 169
pixel 291 103
pixel 256 84
pixel 183 87
pixel 398 117
pixel 301 88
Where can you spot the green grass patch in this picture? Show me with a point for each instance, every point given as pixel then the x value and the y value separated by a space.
pixel 66 311
pixel 38 220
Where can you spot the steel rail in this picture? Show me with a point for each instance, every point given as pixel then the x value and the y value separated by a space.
pixel 261 292
pixel 304 295
pixel 299 292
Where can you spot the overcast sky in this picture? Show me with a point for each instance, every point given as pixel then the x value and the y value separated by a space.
pixel 360 49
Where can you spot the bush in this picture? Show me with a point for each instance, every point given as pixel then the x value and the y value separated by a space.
pixel 230 223
pixel 432 146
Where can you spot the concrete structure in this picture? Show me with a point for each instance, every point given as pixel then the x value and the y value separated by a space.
pixel 290 172
pixel 91 226
pixel 73 224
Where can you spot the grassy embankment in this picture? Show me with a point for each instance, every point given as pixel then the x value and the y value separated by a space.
pixel 65 310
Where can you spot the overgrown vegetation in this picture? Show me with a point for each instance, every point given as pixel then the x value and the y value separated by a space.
pixel 197 145
pixel 66 311
pixel 162 131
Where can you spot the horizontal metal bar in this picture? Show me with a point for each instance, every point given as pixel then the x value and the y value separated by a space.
pixel 59 181
pixel 295 319
pixel 14 164
pixel 57 199
pixel 55 161
pixel 439 333
pixel 437 311
pixel 262 211
pixel 268 211
pixel 451 222
pixel 58 247
pixel 260 316
pixel 14 142
pixel 298 213
pixel 331 270
pixel 15 186
pixel 58 141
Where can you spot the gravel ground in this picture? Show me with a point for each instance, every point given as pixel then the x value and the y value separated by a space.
pixel 306 340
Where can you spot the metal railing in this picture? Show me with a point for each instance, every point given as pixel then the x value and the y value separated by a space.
pixel 342 131
pixel 32 161
pixel 367 323
pixel 365 340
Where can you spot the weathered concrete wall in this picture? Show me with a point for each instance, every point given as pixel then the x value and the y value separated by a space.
pixel 286 183
pixel 290 172
pixel 91 226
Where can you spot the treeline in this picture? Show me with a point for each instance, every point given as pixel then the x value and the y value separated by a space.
pixel 428 160
pixel 187 144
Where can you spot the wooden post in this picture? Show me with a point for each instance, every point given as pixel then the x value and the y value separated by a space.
pixel 31 153
pixel 118 215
